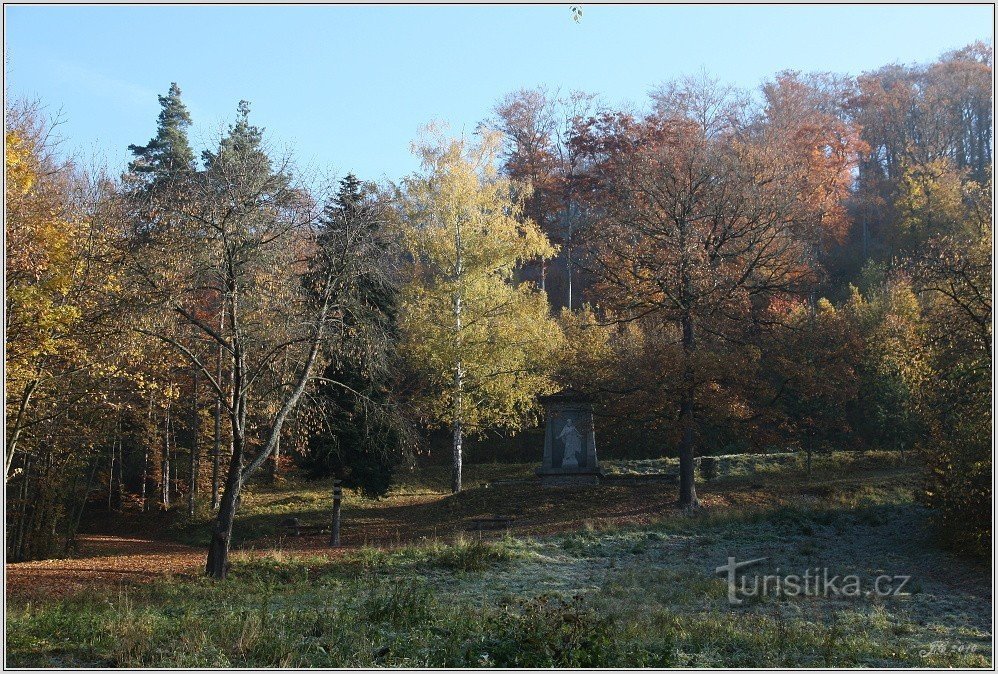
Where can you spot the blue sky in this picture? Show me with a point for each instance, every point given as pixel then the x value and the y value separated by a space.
pixel 347 87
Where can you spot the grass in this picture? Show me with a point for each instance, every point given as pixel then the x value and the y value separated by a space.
pixel 419 495
pixel 265 506
pixel 626 594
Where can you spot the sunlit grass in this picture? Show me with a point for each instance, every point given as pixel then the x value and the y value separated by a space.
pixel 601 595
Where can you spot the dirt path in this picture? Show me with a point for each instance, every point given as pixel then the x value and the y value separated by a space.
pixel 115 560
pixel 102 561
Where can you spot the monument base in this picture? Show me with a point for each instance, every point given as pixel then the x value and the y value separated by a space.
pixel 569 479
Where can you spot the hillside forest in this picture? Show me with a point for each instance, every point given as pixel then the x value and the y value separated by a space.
pixel 803 267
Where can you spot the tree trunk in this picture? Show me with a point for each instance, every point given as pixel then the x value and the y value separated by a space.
pixel 145 476
pixel 17 545
pixel 568 264
pixel 216 451
pixel 457 425
pixel 455 482
pixel 193 466
pixel 74 525
pixel 221 534
pixel 115 483
pixel 687 421
pixel 120 494
pixel 275 462
pixel 455 476
pixel 110 480
pixel 568 249
pixel 165 464
pixel 145 458
pixel 15 432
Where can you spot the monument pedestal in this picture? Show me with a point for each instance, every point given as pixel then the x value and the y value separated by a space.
pixel 569 441
pixel 561 479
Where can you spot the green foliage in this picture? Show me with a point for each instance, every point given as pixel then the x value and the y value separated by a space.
pixel 892 365
pixel 169 152
pixel 362 434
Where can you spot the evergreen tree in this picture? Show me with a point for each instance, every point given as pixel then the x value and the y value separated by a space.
pixel 363 435
pixel 169 152
pixel 244 144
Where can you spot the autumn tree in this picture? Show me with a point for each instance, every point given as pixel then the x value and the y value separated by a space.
pixel 953 277
pixel 702 221
pixel 916 119
pixel 813 363
pixel 62 310
pixel 807 120
pixel 481 341
pixel 537 125
pixel 42 244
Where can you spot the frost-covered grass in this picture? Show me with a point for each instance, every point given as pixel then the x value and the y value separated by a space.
pixel 616 596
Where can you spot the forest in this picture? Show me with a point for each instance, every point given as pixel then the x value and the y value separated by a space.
pixel 805 268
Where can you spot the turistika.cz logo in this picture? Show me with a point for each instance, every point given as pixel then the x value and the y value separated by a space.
pixel 816 582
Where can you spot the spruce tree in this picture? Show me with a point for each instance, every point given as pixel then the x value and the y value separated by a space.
pixel 169 152
pixel 363 436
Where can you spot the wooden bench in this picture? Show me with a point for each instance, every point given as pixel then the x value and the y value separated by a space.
pixel 292 527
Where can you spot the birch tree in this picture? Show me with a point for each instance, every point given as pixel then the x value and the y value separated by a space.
pixel 482 343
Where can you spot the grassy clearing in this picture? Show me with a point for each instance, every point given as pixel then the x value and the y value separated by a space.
pixel 628 595
pixel 420 495
pixel 264 506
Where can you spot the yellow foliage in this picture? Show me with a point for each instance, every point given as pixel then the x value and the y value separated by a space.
pixel 463 312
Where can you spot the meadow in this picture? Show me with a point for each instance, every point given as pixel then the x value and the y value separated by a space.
pixel 613 576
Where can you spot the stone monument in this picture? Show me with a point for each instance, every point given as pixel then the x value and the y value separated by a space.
pixel 569 441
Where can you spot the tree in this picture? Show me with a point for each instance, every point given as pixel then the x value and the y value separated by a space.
pixel 158 181
pixel 812 363
pixel 244 237
pixel 915 119
pixel 169 152
pixel 807 111
pixel 361 434
pixel 63 383
pixel 481 342
pixel 701 222
pixel 953 278
pixel 536 125
pixel 892 364
pixel 42 245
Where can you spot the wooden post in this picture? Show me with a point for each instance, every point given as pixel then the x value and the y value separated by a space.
pixel 334 536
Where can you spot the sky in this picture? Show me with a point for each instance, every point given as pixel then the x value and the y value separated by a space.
pixel 347 88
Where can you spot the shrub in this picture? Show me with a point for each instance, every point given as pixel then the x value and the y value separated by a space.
pixel 472 555
pixel 403 604
pixel 550 631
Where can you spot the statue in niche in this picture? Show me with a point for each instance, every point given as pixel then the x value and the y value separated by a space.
pixel 572 440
